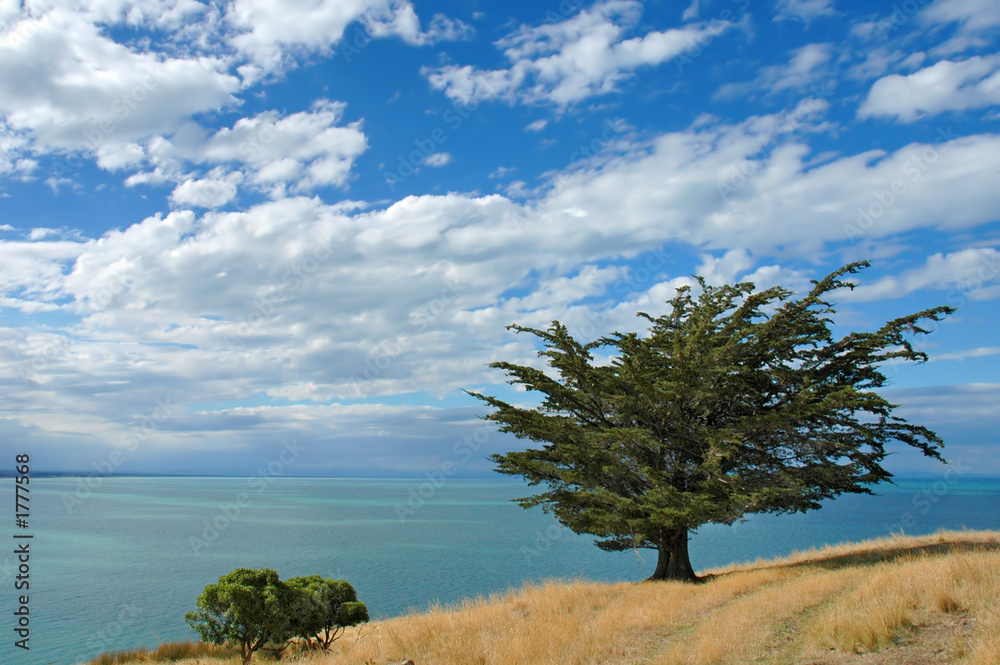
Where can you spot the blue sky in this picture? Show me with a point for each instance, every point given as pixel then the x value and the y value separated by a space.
pixel 227 225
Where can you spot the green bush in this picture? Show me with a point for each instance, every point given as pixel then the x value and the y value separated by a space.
pixel 253 610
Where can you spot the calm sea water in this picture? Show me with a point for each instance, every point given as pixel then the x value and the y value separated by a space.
pixel 119 568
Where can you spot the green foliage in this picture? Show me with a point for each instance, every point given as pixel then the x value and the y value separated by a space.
pixel 735 402
pixel 254 610
pixel 247 608
pixel 329 605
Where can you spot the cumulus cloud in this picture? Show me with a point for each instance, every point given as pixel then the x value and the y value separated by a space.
pixel 304 300
pixel 401 20
pixel 266 30
pixel 970 274
pixel 321 301
pixel 277 154
pixel 213 191
pixel 944 86
pixel 566 62
pixel 68 86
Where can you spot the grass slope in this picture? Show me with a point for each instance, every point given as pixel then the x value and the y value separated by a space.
pixel 894 601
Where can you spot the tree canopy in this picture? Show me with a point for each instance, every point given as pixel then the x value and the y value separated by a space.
pixel 248 608
pixel 254 610
pixel 736 401
pixel 331 606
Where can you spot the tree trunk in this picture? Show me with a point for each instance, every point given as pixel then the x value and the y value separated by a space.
pixel 673 562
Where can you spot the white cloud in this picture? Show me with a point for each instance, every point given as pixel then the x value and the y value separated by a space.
pixel 266 30
pixel 977 22
pixel 305 300
pixel 979 352
pixel 221 264
pixel 438 159
pixel 806 10
pixel 13 147
pixel 880 60
pixel 806 65
pixel 566 62
pixel 803 69
pixel 402 20
pixel 724 269
pixel 211 192
pixel 298 152
pixel 943 86
pixel 68 86
pixel 537 125
pixel 41 233
pixel 691 12
pixel 967 274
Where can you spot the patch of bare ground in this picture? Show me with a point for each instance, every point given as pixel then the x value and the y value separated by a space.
pixel 942 638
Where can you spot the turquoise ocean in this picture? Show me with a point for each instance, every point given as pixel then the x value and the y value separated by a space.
pixel 116 565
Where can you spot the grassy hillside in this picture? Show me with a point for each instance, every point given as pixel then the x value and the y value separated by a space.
pixel 895 601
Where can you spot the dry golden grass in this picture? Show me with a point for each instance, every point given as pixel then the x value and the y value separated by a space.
pixel 901 594
pixel 933 599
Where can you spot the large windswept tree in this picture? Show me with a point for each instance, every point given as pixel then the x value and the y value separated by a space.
pixel 735 402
